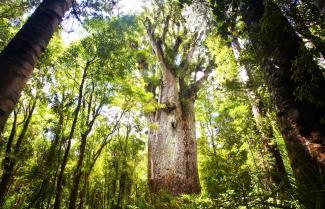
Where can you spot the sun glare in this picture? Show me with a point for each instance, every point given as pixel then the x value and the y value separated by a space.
pixel 72 29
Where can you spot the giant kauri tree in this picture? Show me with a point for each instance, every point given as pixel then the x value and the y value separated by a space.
pixel 172 143
pixel 76 138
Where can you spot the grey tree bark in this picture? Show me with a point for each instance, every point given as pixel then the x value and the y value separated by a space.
pixel 172 154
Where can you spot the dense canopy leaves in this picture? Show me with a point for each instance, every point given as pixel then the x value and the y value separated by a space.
pixel 78 136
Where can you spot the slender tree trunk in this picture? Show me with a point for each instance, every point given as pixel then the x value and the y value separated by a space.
pixel 105 190
pixel 298 91
pixel 10 159
pixel 120 195
pixel 59 185
pixel 49 165
pixel 83 190
pixel 172 147
pixel 279 174
pixel 116 167
pixel 77 174
pixel 108 196
pixel 19 58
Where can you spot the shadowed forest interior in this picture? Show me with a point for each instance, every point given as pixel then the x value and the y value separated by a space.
pixel 162 104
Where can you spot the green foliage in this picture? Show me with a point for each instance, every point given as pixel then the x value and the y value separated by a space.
pixel 234 166
pixel 11 19
pixel 302 65
pixel 121 81
pixel 309 22
pixel 167 201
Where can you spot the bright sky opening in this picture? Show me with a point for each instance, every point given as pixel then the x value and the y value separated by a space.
pixel 74 31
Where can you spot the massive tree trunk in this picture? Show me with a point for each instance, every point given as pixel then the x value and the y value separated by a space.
pixel 278 173
pixel 297 86
pixel 172 159
pixel 19 58
pixel 172 147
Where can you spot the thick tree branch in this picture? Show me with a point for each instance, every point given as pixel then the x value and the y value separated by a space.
pixel 189 55
pixel 165 30
pixel 166 70
pixel 178 42
pixel 195 87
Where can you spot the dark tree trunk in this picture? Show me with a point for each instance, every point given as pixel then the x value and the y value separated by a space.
pixel 82 193
pixel 88 171
pixel 298 92
pixel 120 196
pixel 78 172
pixel 11 158
pixel 279 174
pixel 19 58
pixel 59 184
pixel 47 169
pixel 115 179
pixel 77 175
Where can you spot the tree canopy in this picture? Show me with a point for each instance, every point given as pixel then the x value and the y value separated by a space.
pixel 183 104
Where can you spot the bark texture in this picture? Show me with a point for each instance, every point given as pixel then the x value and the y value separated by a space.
pixel 19 58
pixel 172 147
pixel 298 91
pixel 172 159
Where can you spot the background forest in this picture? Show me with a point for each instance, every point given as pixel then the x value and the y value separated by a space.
pixel 227 96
